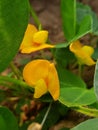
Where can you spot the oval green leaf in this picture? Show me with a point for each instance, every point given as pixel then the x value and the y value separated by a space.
pixel 7 120
pixel 68 13
pixel 84 28
pixel 68 79
pixel 86 10
pixel 13 22
pixel 74 96
pixel 96 80
pixel 91 124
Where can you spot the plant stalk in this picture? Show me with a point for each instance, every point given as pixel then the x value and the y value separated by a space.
pixel 35 17
pixel 16 71
pixel 46 114
pixel 87 111
pixel 4 79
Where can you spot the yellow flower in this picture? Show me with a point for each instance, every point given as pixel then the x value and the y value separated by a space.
pixel 42 75
pixel 83 53
pixel 34 40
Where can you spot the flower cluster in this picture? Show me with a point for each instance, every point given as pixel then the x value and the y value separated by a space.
pixel 40 74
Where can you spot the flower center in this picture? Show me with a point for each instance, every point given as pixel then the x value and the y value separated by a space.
pixel 35 44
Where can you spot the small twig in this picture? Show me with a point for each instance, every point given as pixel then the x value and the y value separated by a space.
pixel 46 114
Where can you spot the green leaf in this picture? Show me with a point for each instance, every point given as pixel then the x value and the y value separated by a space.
pixel 95 54
pixel 73 91
pixel 68 79
pixel 96 79
pixel 75 96
pixel 84 10
pixel 64 56
pixel 91 124
pixel 73 29
pixel 68 13
pixel 7 120
pixel 2 124
pixel 61 45
pixel 84 28
pixel 64 128
pixel 13 22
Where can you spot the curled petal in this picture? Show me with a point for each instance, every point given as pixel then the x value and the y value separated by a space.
pixel 36 48
pixel 28 37
pixel 75 46
pixel 40 37
pixel 53 86
pixel 40 88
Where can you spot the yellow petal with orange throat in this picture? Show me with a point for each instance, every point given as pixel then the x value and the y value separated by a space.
pixel 36 48
pixel 28 37
pixel 35 70
pixel 53 82
pixel 40 88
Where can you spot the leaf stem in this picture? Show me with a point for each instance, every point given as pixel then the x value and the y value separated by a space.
pixel 35 18
pixel 87 111
pixel 16 71
pixel 13 80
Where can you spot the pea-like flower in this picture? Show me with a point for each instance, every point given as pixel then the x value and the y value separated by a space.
pixel 82 52
pixel 34 40
pixel 42 75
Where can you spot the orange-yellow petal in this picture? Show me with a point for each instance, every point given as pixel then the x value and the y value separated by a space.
pixel 34 48
pixel 40 37
pixel 75 46
pixel 28 37
pixel 83 53
pixel 40 88
pixel 53 82
pixel 84 58
pixel 42 75
pixel 88 50
pixel 35 70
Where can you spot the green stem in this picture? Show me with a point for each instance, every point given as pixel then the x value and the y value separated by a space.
pixel 87 111
pixel 12 80
pixel 3 83
pixel 46 114
pixel 35 18
pixel 16 71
